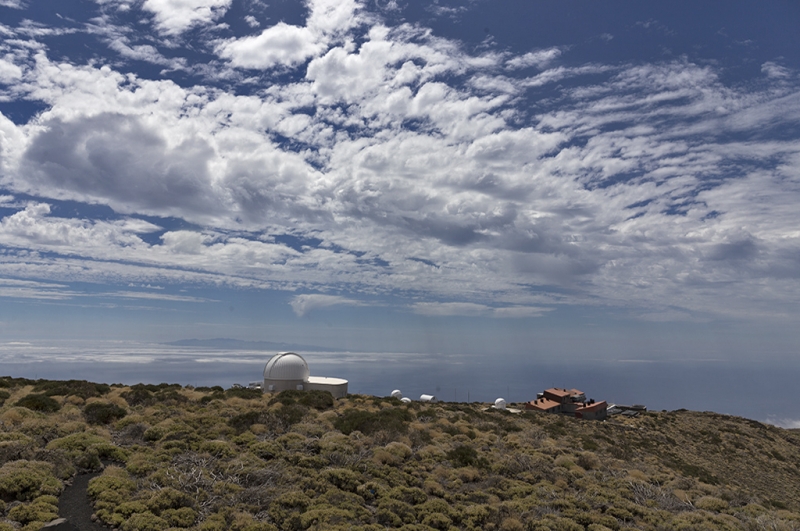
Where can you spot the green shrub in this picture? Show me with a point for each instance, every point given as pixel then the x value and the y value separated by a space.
pixel 392 420
pixel 115 486
pixel 411 495
pixel 168 498
pixel 292 502
pixel 326 517
pixel 218 448
pixel 43 509
pixel 182 517
pixel 79 388
pixel 144 522
pixel 316 399
pixel 437 521
pixel 244 392
pixel 243 421
pixel 342 478
pixel 138 396
pixel 464 455
pixel 25 480
pixel 711 503
pixel 404 512
pixel 97 413
pixel 37 402
pixel 290 415
pixel 85 449
pixel 266 449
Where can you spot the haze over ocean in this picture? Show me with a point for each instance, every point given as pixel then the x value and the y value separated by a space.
pixel 751 389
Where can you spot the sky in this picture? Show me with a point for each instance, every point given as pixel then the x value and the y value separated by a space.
pixel 578 180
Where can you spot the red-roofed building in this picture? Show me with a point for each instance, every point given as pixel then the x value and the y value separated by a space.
pixel 568 402
pixel 544 405
pixel 595 411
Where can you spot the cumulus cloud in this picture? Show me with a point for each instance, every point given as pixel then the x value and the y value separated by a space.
pixel 287 45
pixel 173 17
pixel 303 304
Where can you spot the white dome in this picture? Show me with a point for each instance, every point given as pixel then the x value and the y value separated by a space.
pixel 397 394
pixel 286 366
pixel 500 403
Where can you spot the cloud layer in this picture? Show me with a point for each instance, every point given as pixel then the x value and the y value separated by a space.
pixel 353 157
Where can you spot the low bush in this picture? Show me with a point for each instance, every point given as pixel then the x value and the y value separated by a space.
pixel 79 388
pixel 242 422
pixel 39 402
pixel 41 510
pixel 98 413
pixel 144 522
pixel 138 396
pixel 244 392
pixel 464 455
pixel 320 400
pixel 115 486
pixel 392 420
pixel 25 480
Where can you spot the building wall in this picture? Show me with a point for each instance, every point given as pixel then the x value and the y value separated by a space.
pixel 337 390
pixel 276 386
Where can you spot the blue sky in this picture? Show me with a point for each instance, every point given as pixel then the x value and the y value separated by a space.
pixel 582 179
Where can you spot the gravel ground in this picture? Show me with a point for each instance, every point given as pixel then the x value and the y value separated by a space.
pixel 74 505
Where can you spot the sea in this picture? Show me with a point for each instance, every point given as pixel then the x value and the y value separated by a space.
pixel 756 390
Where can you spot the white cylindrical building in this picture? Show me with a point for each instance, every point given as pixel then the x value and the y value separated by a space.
pixel 289 371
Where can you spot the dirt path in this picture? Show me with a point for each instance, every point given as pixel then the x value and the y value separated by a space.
pixel 74 505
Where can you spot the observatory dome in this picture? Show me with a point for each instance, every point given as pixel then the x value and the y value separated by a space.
pixel 286 366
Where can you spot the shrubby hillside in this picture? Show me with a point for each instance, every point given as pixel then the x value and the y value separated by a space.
pixel 210 459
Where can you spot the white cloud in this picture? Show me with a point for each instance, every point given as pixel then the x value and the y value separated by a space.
pixel 13 4
pixel 787 423
pixel 173 17
pixel 303 304
pixel 775 70
pixel 520 311
pixel 539 59
pixel 145 52
pixel 470 309
pixel 443 309
pixel 281 44
pixel 153 296
pixel 288 45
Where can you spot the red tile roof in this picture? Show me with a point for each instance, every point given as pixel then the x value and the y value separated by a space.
pixel 597 406
pixel 542 404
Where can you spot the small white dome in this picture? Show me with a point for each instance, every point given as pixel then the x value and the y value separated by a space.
pixel 500 403
pixel 397 394
pixel 405 400
pixel 286 366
